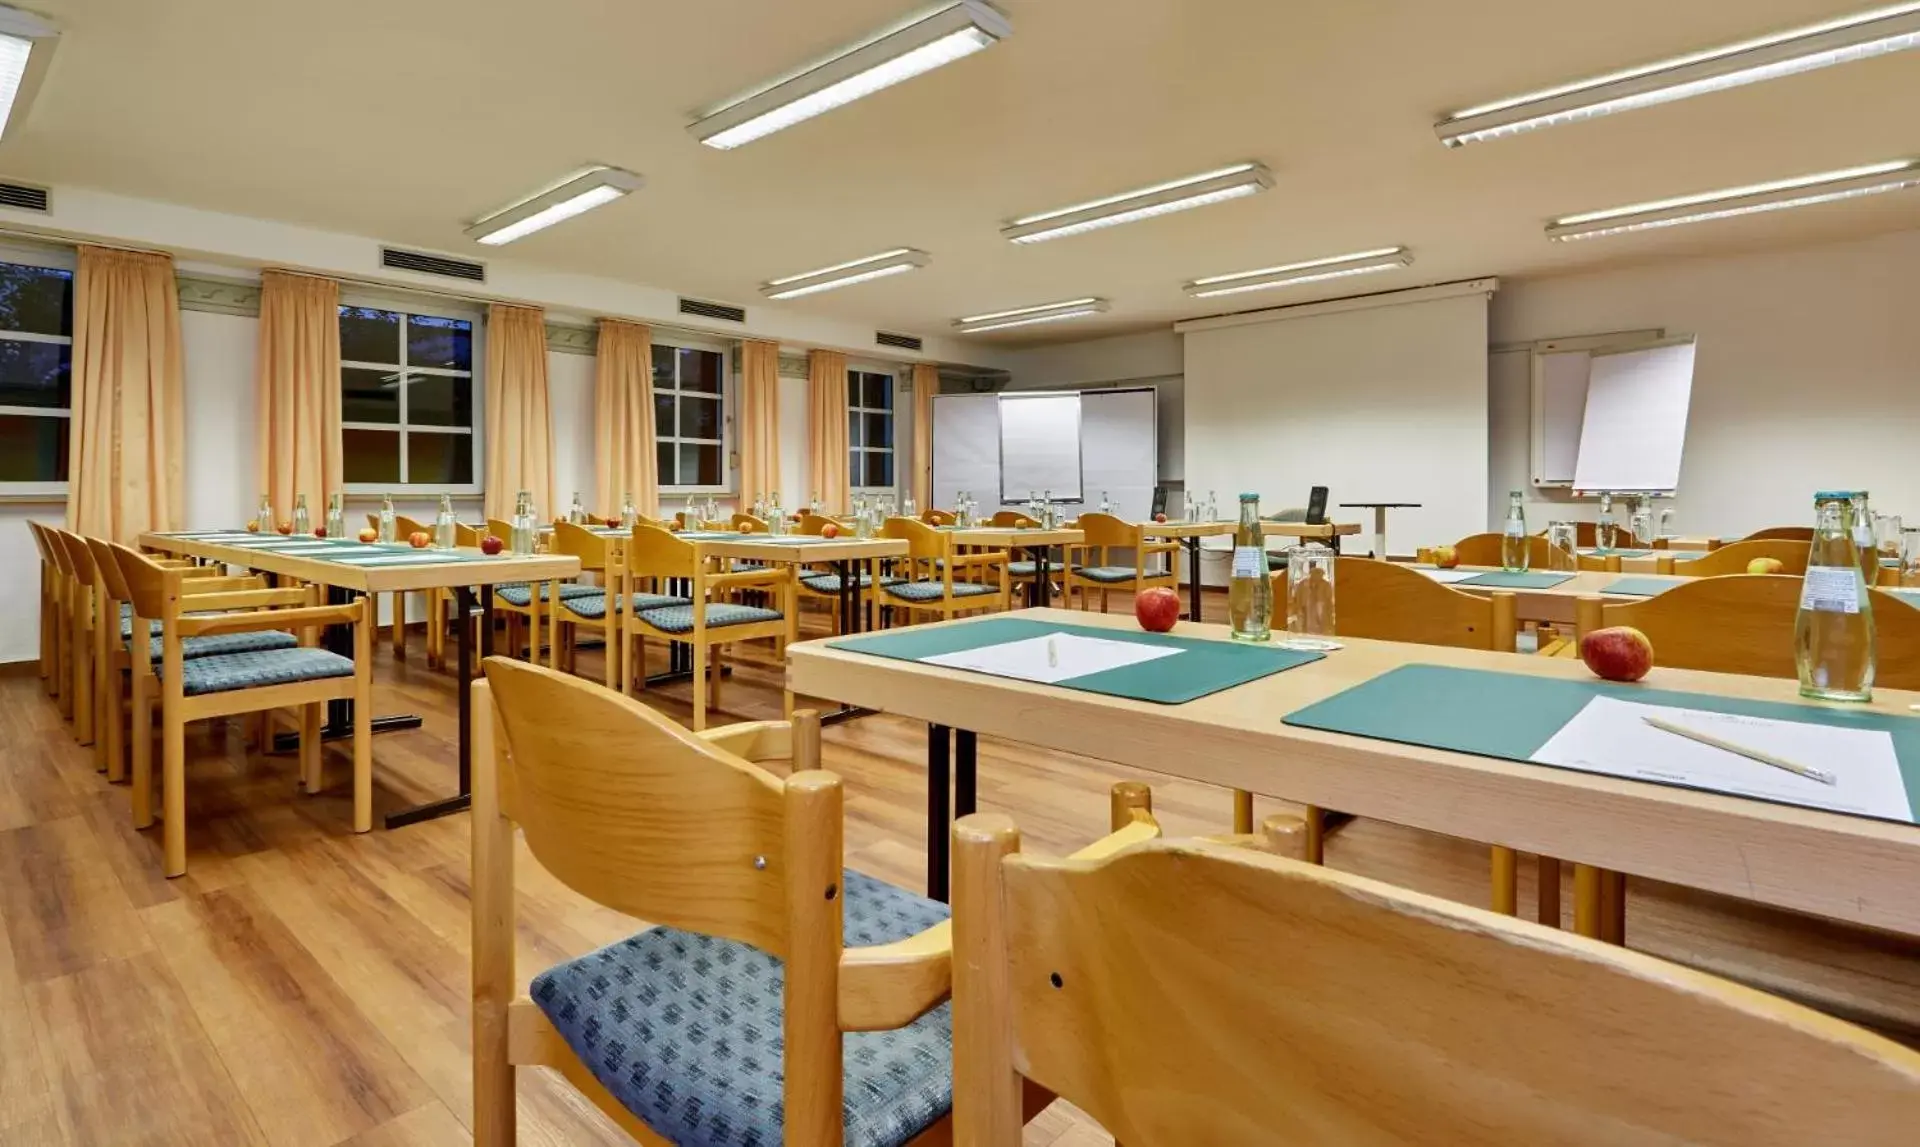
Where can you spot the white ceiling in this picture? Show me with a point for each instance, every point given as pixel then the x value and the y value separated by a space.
pixel 407 119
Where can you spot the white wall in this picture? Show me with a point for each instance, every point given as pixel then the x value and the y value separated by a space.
pixel 570 404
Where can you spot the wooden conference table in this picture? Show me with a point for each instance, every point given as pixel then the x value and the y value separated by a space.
pixel 1554 604
pixel 1848 868
pixel 468 573
pixel 1038 544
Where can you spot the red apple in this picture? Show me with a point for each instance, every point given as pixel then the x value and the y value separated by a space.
pixel 286 528
pixel 1765 566
pixel 491 544
pixel 1446 557
pixel 253 527
pixel 1159 517
pixel 319 531
pixel 1617 653
pixel 830 530
pixel 369 535
pixel 419 539
pixel 1157 609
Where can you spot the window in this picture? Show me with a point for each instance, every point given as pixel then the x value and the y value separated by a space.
pixel 409 408
pixel 690 418
pixel 870 430
pixel 36 377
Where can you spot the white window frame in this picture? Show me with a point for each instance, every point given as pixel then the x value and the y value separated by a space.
pixel 725 441
pixel 893 388
pixel 439 309
pixel 53 259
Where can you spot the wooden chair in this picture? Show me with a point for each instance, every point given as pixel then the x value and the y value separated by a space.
pixel 204 687
pixel 751 524
pixel 931 563
pixel 1586 535
pixel 1185 992
pixel 50 610
pixel 780 996
pixel 1089 563
pixel 76 633
pixel 1782 534
pixel 933 517
pixel 605 605
pixel 705 623
pixel 815 524
pixel 1487 550
pixel 1733 557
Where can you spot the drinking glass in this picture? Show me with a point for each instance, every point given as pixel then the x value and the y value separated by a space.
pixel 1910 557
pixel 1310 590
pixel 1563 541
pixel 1889 530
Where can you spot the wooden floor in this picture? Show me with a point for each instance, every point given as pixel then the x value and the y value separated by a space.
pixel 304 987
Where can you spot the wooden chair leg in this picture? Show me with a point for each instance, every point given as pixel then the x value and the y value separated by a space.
pixel 115 702
pixel 140 730
pixel 1586 900
pixel 1242 811
pixel 1613 907
pixel 699 686
pixel 310 747
pixel 1549 894
pixel 173 793
pixel 400 629
pixel 1316 835
pixel 1506 893
pixel 716 673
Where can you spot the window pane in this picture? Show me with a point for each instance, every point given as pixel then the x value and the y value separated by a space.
pixel 879 392
pixel 879 468
pixel 853 388
pixel 879 429
pixel 371 456
pixel 436 400
pixel 699 417
pixel 36 299
pixel 699 465
pixel 370 396
pixel 434 341
pixel 35 374
pixel 853 431
pixel 367 335
pixel 439 458
pixel 700 370
pixel 33 449
pixel 663 366
pixel 663 416
pixel 665 452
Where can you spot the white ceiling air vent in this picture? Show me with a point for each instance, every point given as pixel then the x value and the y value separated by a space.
pixel 707 310
pixel 897 342
pixel 23 197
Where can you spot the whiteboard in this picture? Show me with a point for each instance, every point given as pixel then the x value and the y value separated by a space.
pixel 1119 450
pixel 1636 419
pixel 1040 446
pixel 966 447
pixel 1563 398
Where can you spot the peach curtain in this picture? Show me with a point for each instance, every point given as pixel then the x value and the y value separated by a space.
pixel 128 429
pixel 827 430
pixel 519 420
pixel 926 384
pixel 297 379
pixel 625 460
pixel 760 420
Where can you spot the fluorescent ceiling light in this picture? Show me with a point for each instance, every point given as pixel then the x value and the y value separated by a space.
pixel 1027 316
pixel 575 195
pixel 1293 274
pixel 1242 179
pixel 26 44
pixel 1836 41
pixel 1801 191
pixel 940 37
pixel 895 262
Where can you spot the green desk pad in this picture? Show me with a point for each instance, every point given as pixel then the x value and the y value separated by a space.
pixel 1500 579
pixel 1686 555
pixel 1203 668
pixel 343 550
pixel 1910 596
pixel 1603 553
pixel 1638 586
pixel 1510 715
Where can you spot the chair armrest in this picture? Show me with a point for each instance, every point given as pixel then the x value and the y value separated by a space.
pixel 1161 548
pixel 200 585
pixel 246 599
pixel 753 740
pixel 264 619
pixel 1143 828
pixel 768 577
pixel 996 558
pixel 888 985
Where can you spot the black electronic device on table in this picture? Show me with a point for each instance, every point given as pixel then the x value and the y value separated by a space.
pixel 1317 506
pixel 1159 501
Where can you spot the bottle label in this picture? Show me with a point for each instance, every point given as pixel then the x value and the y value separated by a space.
pixel 1516 528
pixel 1831 589
pixel 1249 561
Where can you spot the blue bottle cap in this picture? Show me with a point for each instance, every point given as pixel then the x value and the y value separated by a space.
pixel 1249 497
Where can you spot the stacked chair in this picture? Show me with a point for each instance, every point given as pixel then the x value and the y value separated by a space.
pixel 1091 564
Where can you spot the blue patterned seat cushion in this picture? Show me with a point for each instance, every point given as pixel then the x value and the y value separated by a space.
pixel 679 618
pixel 1023 569
pixel 685 1030
pixel 253 670
pixel 522 595
pixel 1104 573
pixel 595 607
pixel 220 644
pixel 830 582
pixel 930 590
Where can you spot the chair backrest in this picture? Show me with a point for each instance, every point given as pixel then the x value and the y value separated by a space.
pixel 1782 534
pixel 108 567
pixel 658 552
pixel 1734 624
pixel 1013 520
pixel 469 536
pixel 753 525
pixel 1733 557
pixel 1485 550
pixel 1586 535
pixel 937 517
pixel 1105 530
pixel 582 543
pixel 39 533
pixel 405 527
pixel 1186 993
pixel 812 523
pixel 1896 644
pixel 153 589
pixel 1389 602
pixel 56 550
pixel 924 542
pixel 79 559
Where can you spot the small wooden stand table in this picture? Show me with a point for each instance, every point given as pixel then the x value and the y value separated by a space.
pixel 1380 520
pixel 1189 535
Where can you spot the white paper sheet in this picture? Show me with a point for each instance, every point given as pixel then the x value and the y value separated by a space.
pixel 1073 656
pixel 1448 577
pixel 1610 736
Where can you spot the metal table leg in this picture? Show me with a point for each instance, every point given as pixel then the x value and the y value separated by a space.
pixel 1193 578
pixel 939 749
pixel 853 618
pixel 463 609
pixel 1040 593
pixel 965 753
pixel 339 724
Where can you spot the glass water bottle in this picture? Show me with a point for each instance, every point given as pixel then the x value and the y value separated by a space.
pixel 1604 532
pixel 629 516
pixel 1213 507
pixel 445 531
pixel 1833 631
pixel 1514 555
pixel 908 508
pixel 1249 593
pixel 576 513
pixel 263 517
pixel 776 517
pixel 525 532
pixel 387 528
pixel 302 521
pixel 1860 520
pixel 1640 523
pixel 1310 590
pixel 1106 503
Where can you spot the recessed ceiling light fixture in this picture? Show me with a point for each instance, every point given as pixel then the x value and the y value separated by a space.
pixel 927 42
pixel 1027 316
pixel 564 200
pixel 26 44
pixel 1293 274
pixel 1836 41
pixel 1234 182
pixel 894 262
pixel 1801 191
